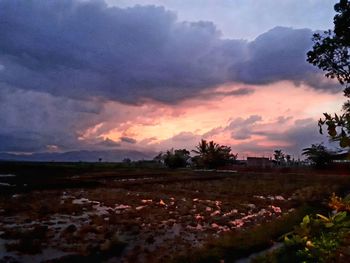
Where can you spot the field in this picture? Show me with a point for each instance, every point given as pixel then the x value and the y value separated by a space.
pixel 110 213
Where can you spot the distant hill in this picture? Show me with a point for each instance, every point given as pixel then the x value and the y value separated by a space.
pixel 84 156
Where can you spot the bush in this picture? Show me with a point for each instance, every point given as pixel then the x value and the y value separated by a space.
pixel 174 158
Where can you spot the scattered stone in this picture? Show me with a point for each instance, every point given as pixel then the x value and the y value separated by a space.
pixel 251 206
pixel 232 212
pixel 276 209
pixel 122 207
pixel 214 225
pixel 215 213
pixel 81 201
pixel 199 217
pixel 279 198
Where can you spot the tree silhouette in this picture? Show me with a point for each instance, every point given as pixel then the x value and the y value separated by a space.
pixel 174 158
pixel 212 155
pixel 318 155
pixel 279 155
pixel 331 53
pixel 288 158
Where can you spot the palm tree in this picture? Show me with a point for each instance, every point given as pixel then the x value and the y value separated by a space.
pixel 319 155
pixel 212 155
pixel 201 148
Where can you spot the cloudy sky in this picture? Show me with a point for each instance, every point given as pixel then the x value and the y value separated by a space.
pixel 156 74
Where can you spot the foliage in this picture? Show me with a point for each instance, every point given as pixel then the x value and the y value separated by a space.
pixel 174 158
pixel 339 204
pixel 318 155
pixel 317 238
pixel 279 156
pixel 288 158
pixel 338 127
pixel 331 53
pixel 212 155
pixel 127 160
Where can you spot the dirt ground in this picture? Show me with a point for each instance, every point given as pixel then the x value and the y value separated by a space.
pixel 140 216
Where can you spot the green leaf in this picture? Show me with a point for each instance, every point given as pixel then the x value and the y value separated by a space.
pixel 336 117
pixel 306 220
pixel 344 142
pixel 327 116
pixel 329 225
pixel 332 131
pixel 347 198
pixel 324 218
pixel 339 217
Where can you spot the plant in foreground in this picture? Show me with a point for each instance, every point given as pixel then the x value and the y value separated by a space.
pixel 317 237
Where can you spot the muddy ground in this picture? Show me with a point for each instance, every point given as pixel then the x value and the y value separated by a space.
pixel 133 215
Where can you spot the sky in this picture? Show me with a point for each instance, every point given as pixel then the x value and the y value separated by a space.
pixel 150 75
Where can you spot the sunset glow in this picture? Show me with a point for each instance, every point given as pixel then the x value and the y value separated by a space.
pixel 152 77
pixel 197 118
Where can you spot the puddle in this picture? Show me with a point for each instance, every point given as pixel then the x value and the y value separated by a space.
pixel 5 184
pixel 261 253
pixel 7 175
pixel 81 201
pixel 134 179
pixel 99 209
pixel 45 255
pixel 2 245
pixel 144 221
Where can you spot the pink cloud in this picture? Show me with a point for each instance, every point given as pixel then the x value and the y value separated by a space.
pixel 257 122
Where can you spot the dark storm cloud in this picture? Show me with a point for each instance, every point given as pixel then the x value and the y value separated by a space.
pixel 301 134
pixel 108 143
pixel 20 142
pixel 32 121
pixel 128 140
pixel 61 59
pixel 85 49
pixel 242 129
pixel 217 94
pixel 280 54
pixel 244 122
pixel 185 140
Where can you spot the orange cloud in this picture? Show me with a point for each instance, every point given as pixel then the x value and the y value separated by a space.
pixel 279 105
